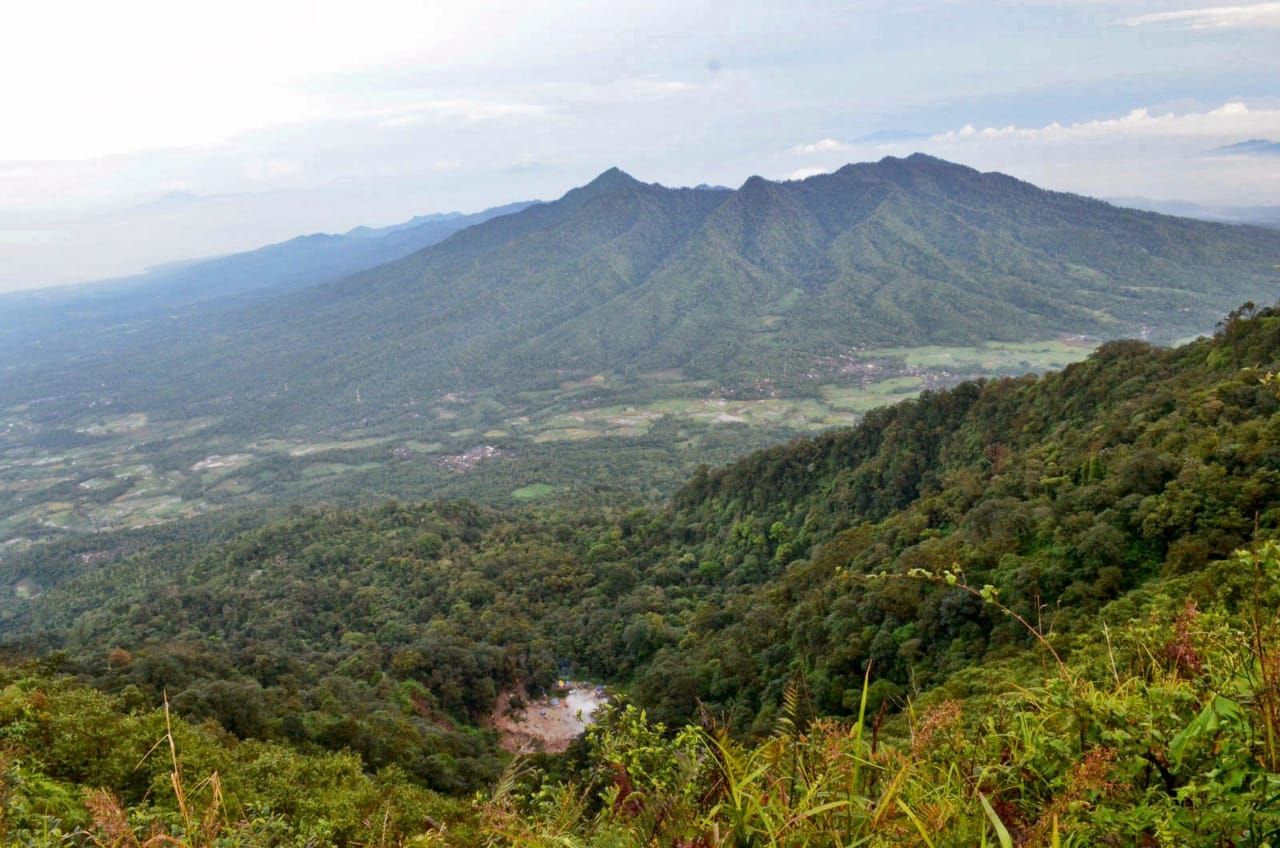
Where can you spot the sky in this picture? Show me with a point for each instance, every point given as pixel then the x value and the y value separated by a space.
pixel 140 132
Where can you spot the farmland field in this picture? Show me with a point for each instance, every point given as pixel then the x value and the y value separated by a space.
pixel 127 469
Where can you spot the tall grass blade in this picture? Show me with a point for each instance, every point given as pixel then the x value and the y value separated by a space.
pixel 1002 832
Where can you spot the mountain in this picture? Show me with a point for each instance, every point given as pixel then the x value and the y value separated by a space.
pixel 625 277
pixel 1252 147
pixel 1262 216
pixel 898 252
pixel 33 316
pixel 312 259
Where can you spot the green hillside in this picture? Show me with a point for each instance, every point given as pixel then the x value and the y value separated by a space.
pixel 601 346
pixel 1035 577
pixel 628 278
pixel 69 323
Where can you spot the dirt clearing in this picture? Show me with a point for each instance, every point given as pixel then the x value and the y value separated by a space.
pixel 548 724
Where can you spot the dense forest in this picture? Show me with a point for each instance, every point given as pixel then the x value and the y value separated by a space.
pixel 1011 611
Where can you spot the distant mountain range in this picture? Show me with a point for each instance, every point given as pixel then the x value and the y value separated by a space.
pixel 627 277
pixel 1252 147
pixel 296 263
pixel 1261 216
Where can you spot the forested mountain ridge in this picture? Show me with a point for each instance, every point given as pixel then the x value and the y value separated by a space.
pixel 737 286
pixel 907 250
pixel 1062 492
pixel 48 324
pixel 389 632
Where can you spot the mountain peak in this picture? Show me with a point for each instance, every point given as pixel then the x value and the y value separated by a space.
pixel 918 161
pixel 757 192
pixel 613 181
pixel 1252 147
pixel 908 170
pixel 613 178
pixel 926 159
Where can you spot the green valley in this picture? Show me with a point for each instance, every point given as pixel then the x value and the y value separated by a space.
pixel 111 469
pixel 608 342
pixel 833 622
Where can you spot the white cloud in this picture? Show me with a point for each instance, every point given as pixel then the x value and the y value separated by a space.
pixel 1145 152
pixel 805 173
pixel 650 87
pixel 273 169
pixel 1253 16
pixel 152 75
pixel 1228 120
pixel 826 145
pixel 30 236
pixel 613 92
pixel 1141 153
pixel 459 109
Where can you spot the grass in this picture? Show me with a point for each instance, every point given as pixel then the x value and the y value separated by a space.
pixel 595 382
pixel 788 300
pixel 424 447
pixel 534 491
pixel 994 357
pixel 566 434
pixel 865 399
pixel 326 447
pixel 330 469
pixel 115 424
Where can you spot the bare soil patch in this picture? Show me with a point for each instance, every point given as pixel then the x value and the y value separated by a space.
pixel 548 724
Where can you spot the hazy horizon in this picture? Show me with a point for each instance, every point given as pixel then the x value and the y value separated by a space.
pixel 218 130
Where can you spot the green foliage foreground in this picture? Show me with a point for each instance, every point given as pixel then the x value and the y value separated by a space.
pixel 1164 732
pixel 78 768
pixel 1161 732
